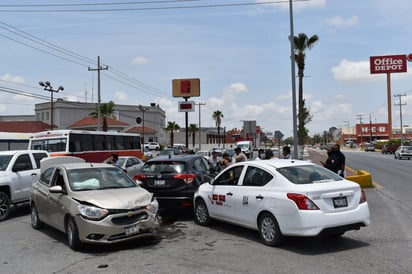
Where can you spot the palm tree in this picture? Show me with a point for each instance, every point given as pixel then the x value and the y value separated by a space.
pixel 106 110
pixel 192 132
pixel 217 116
pixel 172 126
pixel 302 42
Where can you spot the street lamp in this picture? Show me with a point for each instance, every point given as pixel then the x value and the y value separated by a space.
pixel 47 86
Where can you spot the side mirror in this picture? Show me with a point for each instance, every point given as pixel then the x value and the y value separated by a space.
pixel 56 189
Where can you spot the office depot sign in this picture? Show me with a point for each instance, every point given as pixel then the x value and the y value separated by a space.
pixel 388 64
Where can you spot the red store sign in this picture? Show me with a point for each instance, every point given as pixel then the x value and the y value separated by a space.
pixel 388 64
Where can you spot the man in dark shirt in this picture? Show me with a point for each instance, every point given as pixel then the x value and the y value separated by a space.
pixel 341 160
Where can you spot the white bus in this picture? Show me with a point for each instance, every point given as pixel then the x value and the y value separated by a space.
pixel 14 140
pixel 93 146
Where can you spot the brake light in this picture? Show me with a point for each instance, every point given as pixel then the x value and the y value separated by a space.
pixel 187 178
pixel 303 202
pixel 139 177
pixel 362 197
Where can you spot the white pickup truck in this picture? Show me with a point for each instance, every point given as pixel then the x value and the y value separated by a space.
pixel 18 169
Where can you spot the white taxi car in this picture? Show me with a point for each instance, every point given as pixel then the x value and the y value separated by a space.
pixel 282 198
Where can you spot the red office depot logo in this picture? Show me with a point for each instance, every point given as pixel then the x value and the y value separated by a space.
pixel 388 64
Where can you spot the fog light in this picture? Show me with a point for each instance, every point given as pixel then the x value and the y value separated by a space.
pixel 95 236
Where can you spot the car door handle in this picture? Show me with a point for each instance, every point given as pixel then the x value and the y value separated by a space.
pixel 259 197
pixel 229 194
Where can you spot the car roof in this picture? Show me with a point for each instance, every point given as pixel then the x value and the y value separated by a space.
pixel 68 162
pixel 276 163
pixel 181 158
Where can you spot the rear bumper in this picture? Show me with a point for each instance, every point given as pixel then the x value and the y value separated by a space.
pixel 314 223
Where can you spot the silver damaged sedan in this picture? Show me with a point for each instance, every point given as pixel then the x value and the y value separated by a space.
pixel 91 202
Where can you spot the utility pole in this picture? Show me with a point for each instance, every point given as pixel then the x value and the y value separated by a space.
pixel 200 127
pixel 99 112
pixel 360 117
pixel 400 112
pixel 370 128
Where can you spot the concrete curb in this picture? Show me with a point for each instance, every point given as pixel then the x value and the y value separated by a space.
pixel 364 178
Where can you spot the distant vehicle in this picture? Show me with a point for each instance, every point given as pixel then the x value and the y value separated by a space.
pixel 173 180
pixel 152 146
pixel 93 146
pixel 130 164
pixel 170 151
pixel 369 147
pixel 182 148
pixel 389 149
pixel 18 170
pixel 91 203
pixel 246 147
pixel 14 140
pixel 280 198
pixel 403 152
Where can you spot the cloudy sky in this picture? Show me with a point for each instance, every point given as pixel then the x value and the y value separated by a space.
pixel 239 49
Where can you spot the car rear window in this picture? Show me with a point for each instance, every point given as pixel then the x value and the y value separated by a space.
pixel 308 174
pixel 164 167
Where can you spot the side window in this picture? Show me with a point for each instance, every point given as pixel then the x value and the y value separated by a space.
pixel 256 177
pixel 58 179
pixel 200 165
pixel 46 176
pixel 23 162
pixel 229 177
pixel 38 157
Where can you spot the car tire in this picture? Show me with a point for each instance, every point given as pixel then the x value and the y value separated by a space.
pixel 269 230
pixel 201 213
pixel 4 206
pixel 34 215
pixel 72 234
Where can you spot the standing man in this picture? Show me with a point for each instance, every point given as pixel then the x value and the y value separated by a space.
pixel 286 152
pixel 239 155
pixel 341 160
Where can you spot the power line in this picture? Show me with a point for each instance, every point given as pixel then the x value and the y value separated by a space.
pixel 150 8
pixel 83 61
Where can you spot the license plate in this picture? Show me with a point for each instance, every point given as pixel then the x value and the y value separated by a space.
pixel 340 202
pixel 134 229
pixel 159 182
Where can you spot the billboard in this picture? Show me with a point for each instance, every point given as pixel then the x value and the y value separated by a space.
pixel 388 64
pixel 186 87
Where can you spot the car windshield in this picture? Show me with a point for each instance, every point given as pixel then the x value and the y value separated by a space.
pixel 308 174
pixel 98 178
pixel 163 167
pixel 120 161
pixel 4 161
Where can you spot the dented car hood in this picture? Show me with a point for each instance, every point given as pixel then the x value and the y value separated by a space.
pixel 123 198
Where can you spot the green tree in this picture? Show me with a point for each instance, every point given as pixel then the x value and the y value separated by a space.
pixel 302 42
pixel 106 110
pixel 172 127
pixel 217 116
pixel 192 132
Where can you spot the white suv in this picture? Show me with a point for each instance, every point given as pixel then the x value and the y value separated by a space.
pixel 152 146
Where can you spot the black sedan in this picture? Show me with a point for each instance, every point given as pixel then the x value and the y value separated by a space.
pixel 174 179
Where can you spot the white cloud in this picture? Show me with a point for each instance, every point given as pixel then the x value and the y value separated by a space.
pixel 14 79
pixel 140 60
pixel 339 21
pixel 349 71
pixel 120 96
pixel 235 88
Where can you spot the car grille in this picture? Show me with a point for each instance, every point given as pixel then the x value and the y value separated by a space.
pixel 130 218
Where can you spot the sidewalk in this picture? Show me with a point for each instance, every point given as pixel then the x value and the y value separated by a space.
pixel 315 156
